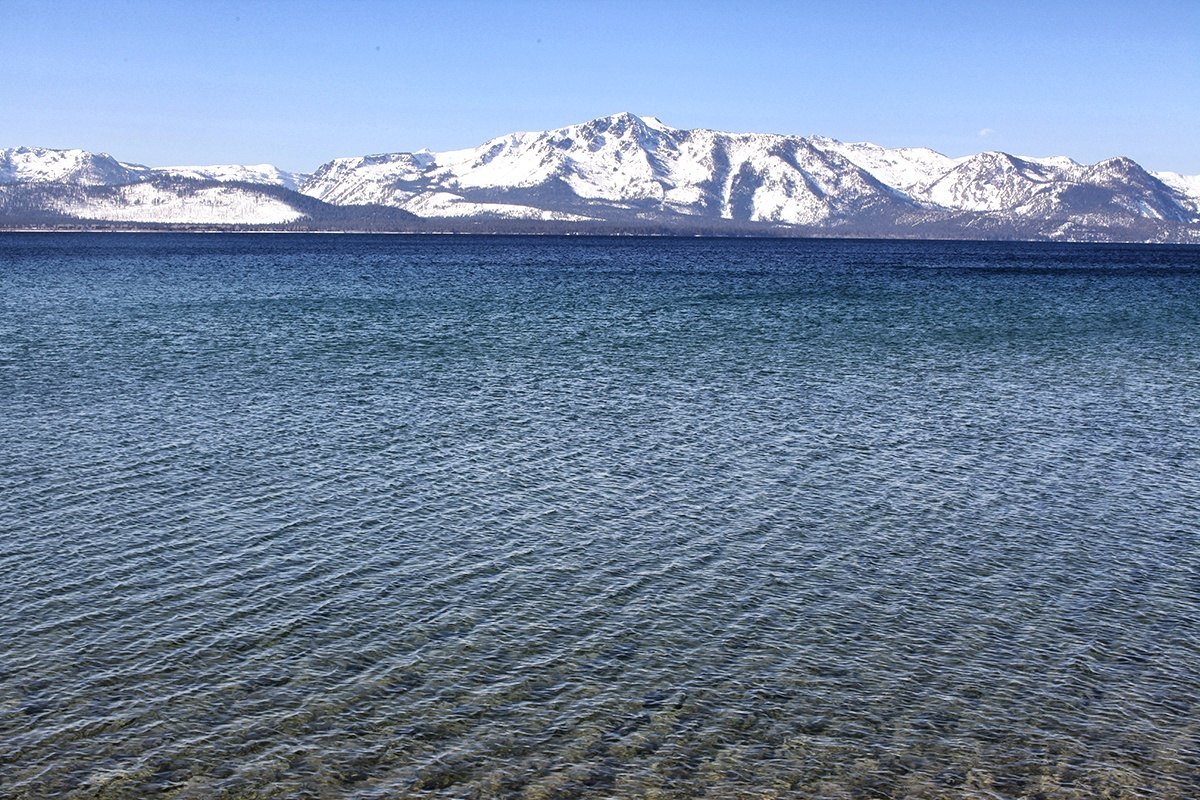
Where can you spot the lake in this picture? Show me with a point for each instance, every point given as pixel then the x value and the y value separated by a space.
pixel 348 516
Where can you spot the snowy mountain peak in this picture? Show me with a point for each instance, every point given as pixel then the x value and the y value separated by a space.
pixel 1121 166
pixel 617 123
pixel 44 165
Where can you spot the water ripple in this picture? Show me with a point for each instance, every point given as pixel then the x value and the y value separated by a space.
pixel 416 517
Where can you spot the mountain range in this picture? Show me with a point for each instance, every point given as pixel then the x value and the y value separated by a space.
pixel 621 174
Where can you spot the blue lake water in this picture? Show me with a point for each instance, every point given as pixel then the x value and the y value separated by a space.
pixel 473 517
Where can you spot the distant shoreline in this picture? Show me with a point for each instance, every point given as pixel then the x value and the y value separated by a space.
pixel 594 235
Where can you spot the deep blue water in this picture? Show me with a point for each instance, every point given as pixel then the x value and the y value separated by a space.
pixel 368 517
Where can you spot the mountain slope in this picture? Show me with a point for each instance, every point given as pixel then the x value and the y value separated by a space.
pixel 621 166
pixel 44 165
pixel 200 204
pixel 1187 186
pixel 262 174
pixel 627 173
pixel 166 201
pixel 625 167
pixel 906 169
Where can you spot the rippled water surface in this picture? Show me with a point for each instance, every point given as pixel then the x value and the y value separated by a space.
pixel 325 517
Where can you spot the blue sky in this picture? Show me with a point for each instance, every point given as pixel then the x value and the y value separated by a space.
pixel 172 82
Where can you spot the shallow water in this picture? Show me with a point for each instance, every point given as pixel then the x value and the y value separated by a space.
pixel 367 517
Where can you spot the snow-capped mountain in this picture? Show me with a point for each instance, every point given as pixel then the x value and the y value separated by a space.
pixel 625 172
pixel 619 167
pixel 77 184
pixel 43 165
pixel 629 167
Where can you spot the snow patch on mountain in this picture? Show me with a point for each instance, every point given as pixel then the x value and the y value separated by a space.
pixel 989 182
pixel 262 174
pixel 605 159
pixel 444 204
pixel 909 169
pixel 369 180
pixel 1186 185
pixel 214 205
pixel 1065 163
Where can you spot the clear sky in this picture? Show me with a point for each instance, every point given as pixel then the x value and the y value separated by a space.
pixel 294 83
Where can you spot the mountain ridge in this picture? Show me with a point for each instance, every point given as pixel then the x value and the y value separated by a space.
pixel 629 171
